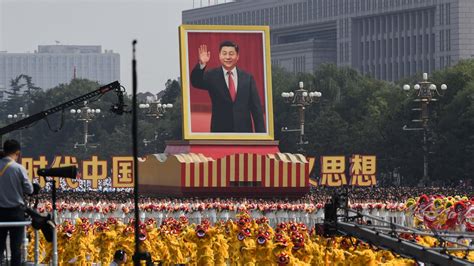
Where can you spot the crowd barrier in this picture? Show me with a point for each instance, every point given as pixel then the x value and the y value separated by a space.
pixel 25 241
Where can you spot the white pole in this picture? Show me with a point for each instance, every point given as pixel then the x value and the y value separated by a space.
pixel 36 247
pixel 25 245
pixel 55 240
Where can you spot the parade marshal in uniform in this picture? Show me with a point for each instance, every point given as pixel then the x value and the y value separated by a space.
pixel 233 92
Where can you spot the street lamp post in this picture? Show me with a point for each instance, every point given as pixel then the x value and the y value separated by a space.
pixel 300 98
pixel 86 115
pixel 425 93
pixel 154 110
pixel 16 117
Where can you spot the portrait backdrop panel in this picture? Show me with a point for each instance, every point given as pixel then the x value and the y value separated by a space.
pixel 253 59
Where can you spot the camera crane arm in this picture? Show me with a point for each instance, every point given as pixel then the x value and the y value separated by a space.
pixel 116 108
pixel 337 224
pixel 400 246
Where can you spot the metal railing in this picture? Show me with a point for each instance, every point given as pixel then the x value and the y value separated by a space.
pixel 24 253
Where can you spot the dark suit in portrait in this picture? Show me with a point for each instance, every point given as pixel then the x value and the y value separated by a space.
pixel 228 115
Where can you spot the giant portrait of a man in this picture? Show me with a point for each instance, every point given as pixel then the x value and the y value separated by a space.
pixel 226 82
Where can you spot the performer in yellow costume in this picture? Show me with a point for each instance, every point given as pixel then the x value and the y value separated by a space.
pixel 265 246
pixel 202 236
pixel 220 245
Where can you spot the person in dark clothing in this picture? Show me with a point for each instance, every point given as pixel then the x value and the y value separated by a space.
pixel 14 183
pixel 233 92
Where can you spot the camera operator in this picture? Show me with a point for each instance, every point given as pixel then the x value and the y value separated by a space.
pixel 14 183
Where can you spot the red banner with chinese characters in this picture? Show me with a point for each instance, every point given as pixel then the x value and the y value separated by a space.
pixel 93 173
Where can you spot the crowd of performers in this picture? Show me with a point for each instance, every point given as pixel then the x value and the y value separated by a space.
pixel 248 231
pixel 432 211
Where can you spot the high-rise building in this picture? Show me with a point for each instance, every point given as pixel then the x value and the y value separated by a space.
pixel 52 65
pixel 388 39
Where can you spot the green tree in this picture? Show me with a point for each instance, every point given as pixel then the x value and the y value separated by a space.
pixel 452 140
pixel 15 87
pixel 172 91
pixel 58 133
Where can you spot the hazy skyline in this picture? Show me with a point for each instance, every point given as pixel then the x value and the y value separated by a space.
pixel 112 24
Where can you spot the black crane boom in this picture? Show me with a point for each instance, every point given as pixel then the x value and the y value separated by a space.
pixel 117 108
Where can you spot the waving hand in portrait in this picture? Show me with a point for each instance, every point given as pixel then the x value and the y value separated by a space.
pixel 204 54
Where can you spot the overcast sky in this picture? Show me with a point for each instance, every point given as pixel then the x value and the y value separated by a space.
pixel 111 23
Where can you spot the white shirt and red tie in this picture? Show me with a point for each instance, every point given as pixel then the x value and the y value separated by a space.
pixel 232 85
pixel 231 81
